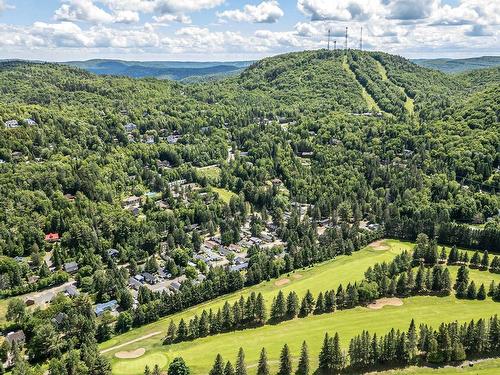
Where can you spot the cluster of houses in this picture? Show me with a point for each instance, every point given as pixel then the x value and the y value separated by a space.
pixel 13 124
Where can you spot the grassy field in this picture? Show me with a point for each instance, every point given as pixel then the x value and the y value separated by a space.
pixel 199 354
pixel 486 367
pixel 211 172
pixel 224 194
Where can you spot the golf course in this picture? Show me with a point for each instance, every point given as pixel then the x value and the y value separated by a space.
pixel 131 352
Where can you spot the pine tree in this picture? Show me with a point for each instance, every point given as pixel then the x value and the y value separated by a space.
pixel 241 367
pixel 292 305
pixel 442 257
pixel 182 330
pixel 325 356
pixel 475 260
pixel 412 342
pixel 481 294
pixel 278 310
pixel 147 371
pixel 285 361
pixel 171 333
pixel 303 366
pixel 338 359
pixel 485 262
pixel 320 304
pixel 471 290
pixel 260 310
pixel 156 370
pixel 263 367
pixel 229 369
pixel 458 352
pixel 420 280
pixel 446 282
pixel 453 257
pixel 218 367
pixel 462 290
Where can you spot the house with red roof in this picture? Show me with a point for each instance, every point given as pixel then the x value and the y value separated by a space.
pixel 52 237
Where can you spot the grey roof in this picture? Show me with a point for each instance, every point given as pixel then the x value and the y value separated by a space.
pixel 100 308
pixel 71 267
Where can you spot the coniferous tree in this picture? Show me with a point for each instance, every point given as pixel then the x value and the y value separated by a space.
pixel 260 309
pixel 325 356
pixel 278 309
pixel 229 369
pixel 285 361
pixel 485 262
pixel 338 358
pixel 241 367
pixel 171 333
pixel 218 367
pixel 471 290
pixel 303 366
pixel 481 293
pixel 320 304
pixel 292 305
pixel 263 366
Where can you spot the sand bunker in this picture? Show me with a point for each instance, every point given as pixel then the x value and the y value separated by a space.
pixel 379 245
pixel 282 282
pixel 378 304
pixel 297 276
pixel 131 354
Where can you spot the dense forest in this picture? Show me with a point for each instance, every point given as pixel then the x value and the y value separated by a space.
pixel 106 178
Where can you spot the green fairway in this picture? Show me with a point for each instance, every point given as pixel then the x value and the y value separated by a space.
pixel 486 367
pixel 200 353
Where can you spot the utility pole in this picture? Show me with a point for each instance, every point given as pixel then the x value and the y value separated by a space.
pixel 328 39
pixel 346 29
pixel 361 40
pixel 335 45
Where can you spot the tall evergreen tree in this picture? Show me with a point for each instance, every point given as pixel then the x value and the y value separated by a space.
pixel 285 361
pixel 263 366
pixel 218 367
pixel 303 366
pixel 241 367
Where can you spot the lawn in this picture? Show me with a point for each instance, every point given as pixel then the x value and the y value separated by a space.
pixel 486 367
pixel 199 354
pixel 224 194
pixel 211 172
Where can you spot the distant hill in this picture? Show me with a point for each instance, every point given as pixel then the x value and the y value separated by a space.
pixel 459 65
pixel 175 70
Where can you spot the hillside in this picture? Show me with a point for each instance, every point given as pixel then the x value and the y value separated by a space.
pixel 129 202
pixel 459 65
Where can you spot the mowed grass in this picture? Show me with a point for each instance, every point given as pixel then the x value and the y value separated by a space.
pixel 224 194
pixel 211 172
pixel 200 353
pixel 486 367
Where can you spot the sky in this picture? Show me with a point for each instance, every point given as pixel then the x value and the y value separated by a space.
pixel 223 30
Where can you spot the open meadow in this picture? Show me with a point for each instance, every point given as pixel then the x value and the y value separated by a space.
pixel 200 353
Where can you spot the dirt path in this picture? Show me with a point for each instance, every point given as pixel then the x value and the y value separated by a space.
pixel 130 342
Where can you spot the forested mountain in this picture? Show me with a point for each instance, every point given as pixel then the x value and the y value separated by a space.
pixel 459 65
pixel 176 70
pixel 106 178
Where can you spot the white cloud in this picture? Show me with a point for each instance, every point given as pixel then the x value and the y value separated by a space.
pixel 87 11
pixel 4 6
pixel 408 10
pixel 339 10
pixel 184 6
pixel 268 11
pixel 167 18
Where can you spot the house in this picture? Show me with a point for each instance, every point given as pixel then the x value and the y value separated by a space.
pixel 71 267
pixel 134 283
pixel 11 124
pixel 130 127
pixel 239 260
pixel 71 291
pixel 30 122
pixel 113 253
pixel 172 139
pixel 149 278
pixel 306 154
pixel 59 319
pixel 373 226
pixel 69 197
pixel 238 267
pixel 131 201
pixel 149 139
pixel 101 308
pixel 139 278
pixel 52 237
pixel 175 286
pixel 17 155
pixel 17 337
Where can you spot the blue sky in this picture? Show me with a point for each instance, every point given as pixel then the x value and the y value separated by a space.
pixel 58 30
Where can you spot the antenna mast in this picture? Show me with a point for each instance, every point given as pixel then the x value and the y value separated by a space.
pixel 335 45
pixel 328 39
pixel 346 38
pixel 361 40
